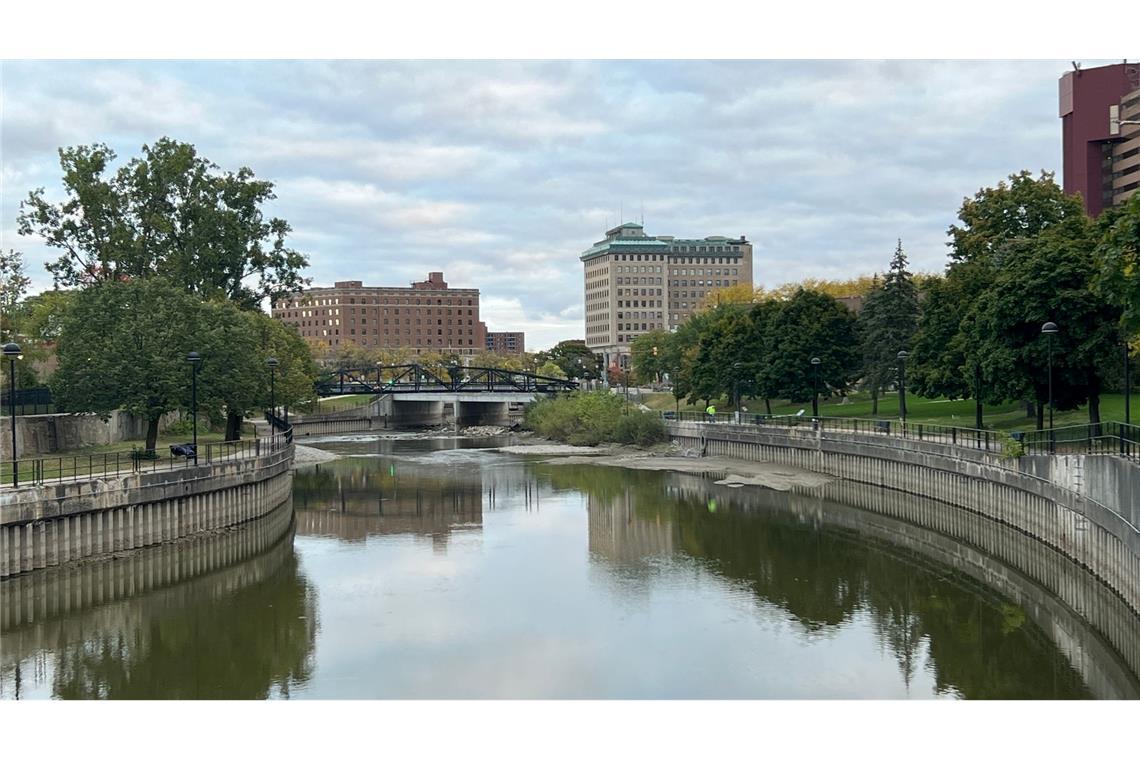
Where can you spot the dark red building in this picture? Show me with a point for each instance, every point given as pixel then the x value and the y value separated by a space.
pixel 1088 156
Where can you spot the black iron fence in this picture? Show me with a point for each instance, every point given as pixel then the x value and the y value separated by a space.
pixel 177 456
pixel 28 401
pixel 280 427
pixel 1103 438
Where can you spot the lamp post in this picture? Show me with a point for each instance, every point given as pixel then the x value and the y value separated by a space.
pixel 735 390
pixel 195 360
pixel 272 363
pixel 815 362
pixel 978 396
pixel 902 355
pixel 12 353
pixel 1049 329
pixel 1127 386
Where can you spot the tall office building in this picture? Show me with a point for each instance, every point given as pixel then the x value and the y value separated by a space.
pixel 1103 167
pixel 636 283
pixel 428 316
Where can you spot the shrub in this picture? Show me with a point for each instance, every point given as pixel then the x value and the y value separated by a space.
pixel 587 419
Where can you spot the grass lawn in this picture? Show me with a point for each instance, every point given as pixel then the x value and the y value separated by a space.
pixel 959 413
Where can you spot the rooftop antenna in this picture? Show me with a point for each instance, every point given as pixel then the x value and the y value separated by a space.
pixel 621 214
pixel 643 213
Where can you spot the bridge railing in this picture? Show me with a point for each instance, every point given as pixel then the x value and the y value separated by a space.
pixel 418 378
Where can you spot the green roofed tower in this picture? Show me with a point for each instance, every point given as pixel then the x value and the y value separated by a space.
pixel 635 283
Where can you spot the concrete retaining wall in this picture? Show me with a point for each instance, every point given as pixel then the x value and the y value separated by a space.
pixel 40 434
pixel 51 524
pixel 1091 534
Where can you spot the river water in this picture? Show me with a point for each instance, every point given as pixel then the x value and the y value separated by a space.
pixel 437 568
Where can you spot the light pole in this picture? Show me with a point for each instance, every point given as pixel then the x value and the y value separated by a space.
pixel 978 396
pixel 272 363
pixel 902 355
pixel 1127 386
pixel 12 353
pixel 736 390
pixel 815 362
pixel 195 360
pixel 1049 329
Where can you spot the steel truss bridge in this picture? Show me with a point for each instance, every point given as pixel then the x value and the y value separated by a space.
pixel 417 378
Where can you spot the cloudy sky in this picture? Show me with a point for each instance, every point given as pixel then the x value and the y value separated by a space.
pixel 501 173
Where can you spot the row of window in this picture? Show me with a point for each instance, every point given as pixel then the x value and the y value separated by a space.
pixel 302 302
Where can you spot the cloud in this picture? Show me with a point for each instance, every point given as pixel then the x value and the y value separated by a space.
pixel 501 173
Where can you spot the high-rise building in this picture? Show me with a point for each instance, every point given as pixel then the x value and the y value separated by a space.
pixel 426 317
pixel 506 342
pixel 636 283
pixel 1103 167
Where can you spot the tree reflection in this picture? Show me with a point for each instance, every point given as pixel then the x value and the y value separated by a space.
pixel 780 546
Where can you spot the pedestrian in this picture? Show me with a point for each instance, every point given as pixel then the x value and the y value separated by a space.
pixel 710 410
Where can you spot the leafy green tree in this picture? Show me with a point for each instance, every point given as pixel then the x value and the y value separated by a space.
pixel 576 360
pixel 650 355
pixel 811 324
pixel 296 372
pixel 170 213
pixel 1017 212
pixel 13 287
pixel 123 345
pixel 1047 278
pixel 1118 259
pixel 551 369
pixel 727 359
pixel 887 325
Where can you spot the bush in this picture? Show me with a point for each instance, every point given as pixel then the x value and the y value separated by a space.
pixel 587 419
pixel 181 427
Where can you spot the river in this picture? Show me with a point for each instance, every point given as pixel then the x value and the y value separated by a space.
pixel 440 568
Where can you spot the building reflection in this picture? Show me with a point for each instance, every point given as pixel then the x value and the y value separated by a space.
pixel 356 498
pixel 958 601
pixel 226 617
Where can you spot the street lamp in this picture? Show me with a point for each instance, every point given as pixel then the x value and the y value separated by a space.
pixel 815 362
pixel 272 363
pixel 1127 386
pixel 1115 122
pixel 12 353
pixel 195 361
pixel 902 355
pixel 735 389
pixel 1049 329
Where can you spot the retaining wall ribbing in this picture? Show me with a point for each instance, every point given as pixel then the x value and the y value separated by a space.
pixel 55 523
pixel 1090 533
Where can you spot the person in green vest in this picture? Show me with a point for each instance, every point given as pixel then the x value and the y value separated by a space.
pixel 710 410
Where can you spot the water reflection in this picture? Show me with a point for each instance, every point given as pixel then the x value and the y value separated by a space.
pixel 826 563
pixel 447 571
pixel 225 617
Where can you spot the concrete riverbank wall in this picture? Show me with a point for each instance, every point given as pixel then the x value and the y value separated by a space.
pixel 56 523
pixel 40 434
pixel 1027 494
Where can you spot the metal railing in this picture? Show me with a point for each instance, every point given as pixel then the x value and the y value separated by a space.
pixel 1104 438
pixel 68 469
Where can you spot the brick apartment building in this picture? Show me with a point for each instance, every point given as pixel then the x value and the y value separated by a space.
pixel 506 342
pixel 426 317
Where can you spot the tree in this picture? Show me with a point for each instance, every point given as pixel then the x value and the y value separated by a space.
pixel 1048 278
pixel 13 286
pixel 123 346
pixel 576 360
pixel 1118 260
pixel 992 223
pixel 811 324
pixel 650 356
pixel 169 213
pixel 887 325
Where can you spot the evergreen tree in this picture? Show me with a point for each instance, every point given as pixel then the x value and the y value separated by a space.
pixel 887 325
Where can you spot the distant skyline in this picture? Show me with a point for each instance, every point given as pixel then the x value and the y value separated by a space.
pixel 500 173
